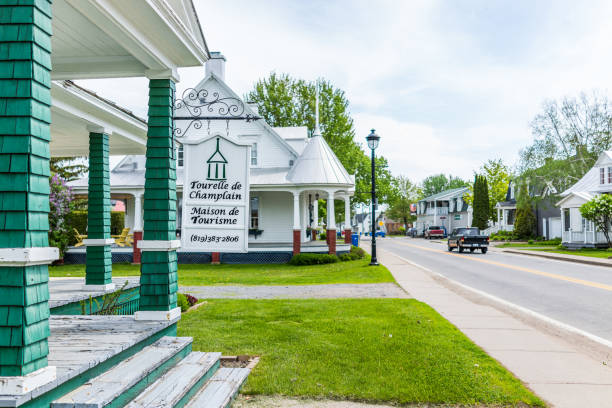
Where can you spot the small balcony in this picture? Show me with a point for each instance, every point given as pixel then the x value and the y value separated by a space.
pixel 437 211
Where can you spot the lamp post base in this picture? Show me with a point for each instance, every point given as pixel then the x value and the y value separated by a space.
pixel 374 263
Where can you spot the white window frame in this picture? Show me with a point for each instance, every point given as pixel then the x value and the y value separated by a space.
pixel 254 148
pixel 602 175
pixel 257 217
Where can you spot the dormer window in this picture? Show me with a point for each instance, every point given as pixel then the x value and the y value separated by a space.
pixel 602 175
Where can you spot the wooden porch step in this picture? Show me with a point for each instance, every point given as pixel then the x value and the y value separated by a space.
pixel 221 389
pixel 127 379
pixel 180 383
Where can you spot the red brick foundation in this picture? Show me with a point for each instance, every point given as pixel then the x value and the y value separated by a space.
pixel 216 258
pixel 313 235
pixel 347 236
pixel 136 253
pixel 331 241
pixel 297 242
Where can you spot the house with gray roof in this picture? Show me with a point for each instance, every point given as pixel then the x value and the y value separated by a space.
pixel 576 231
pixel 446 209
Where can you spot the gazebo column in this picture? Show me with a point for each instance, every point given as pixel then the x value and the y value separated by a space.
pixel 25 101
pixel 315 218
pixel 137 228
pixel 98 267
pixel 347 220
pixel 331 223
pixel 158 278
pixel 296 223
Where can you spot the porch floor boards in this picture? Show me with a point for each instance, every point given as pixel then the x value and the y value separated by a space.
pixel 78 343
pixel 63 291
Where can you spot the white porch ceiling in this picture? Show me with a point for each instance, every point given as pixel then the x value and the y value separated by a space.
pixel 75 112
pixel 124 38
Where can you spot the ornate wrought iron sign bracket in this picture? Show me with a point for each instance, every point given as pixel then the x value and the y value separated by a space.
pixel 196 107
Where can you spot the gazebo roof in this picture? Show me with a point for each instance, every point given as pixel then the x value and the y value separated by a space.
pixel 319 165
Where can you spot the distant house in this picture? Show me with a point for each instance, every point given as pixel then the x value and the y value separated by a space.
pixel 446 209
pixel 547 214
pixel 576 231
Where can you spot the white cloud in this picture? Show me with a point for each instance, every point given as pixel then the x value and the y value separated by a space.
pixel 446 84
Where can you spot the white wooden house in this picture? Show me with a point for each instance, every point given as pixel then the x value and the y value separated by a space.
pixel 446 209
pixel 576 231
pixel 289 173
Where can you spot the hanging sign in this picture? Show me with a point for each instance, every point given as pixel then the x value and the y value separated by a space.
pixel 216 195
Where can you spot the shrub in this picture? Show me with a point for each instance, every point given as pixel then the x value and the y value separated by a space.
pixel 322 236
pixel 530 242
pixel 182 302
pixel 359 251
pixel 313 259
pixel 78 220
pixel 191 299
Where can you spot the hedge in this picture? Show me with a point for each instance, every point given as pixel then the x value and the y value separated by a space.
pixel 78 220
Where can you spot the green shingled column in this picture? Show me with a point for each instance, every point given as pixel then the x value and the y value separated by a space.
pixel 99 265
pixel 158 280
pixel 25 100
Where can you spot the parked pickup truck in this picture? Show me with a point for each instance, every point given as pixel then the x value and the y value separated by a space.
pixel 468 238
pixel 433 232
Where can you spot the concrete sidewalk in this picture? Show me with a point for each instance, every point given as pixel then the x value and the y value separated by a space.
pixel 557 370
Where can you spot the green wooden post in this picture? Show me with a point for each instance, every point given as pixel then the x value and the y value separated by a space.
pixel 158 279
pixel 25 115
pixel 98 275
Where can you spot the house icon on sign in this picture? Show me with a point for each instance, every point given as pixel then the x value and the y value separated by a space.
pixel 216 165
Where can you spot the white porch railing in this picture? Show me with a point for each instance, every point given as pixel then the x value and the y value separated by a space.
pixel 437 211
pixel 583 237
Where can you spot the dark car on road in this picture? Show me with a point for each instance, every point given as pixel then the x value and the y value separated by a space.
pixel 468 238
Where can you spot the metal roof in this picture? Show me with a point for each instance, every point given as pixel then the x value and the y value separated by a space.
pixel 588 183
pixel 319 165
pixel 447 194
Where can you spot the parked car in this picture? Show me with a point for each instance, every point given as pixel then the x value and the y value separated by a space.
pixel 468 238
pixel 412 232
pixel 434 232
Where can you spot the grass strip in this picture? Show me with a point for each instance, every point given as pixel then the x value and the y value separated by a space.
pixel 263 274
pixel 377 350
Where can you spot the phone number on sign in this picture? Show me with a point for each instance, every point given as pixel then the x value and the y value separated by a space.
pixel 214 238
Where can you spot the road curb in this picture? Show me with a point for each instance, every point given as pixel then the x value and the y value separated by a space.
pixel 594 262
pixel 594 346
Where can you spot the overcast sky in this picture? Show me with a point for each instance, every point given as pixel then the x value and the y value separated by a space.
pixel 446 84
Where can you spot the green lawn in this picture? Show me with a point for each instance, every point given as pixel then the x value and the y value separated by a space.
pixel 594 253
pixel 268 274
pixel 391 350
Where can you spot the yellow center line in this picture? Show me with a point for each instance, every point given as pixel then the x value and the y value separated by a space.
pixel 518 268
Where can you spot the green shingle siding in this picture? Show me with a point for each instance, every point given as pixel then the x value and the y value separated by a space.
pixel 159 280
pixel 25 100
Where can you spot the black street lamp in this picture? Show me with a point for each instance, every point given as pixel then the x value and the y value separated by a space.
pixel 373 140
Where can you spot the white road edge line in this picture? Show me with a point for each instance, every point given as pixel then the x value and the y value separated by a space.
pixel 521 310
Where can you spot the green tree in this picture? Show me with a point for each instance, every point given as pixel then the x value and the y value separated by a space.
pixel 525 223
pixel 439 182
pixel 286 101
pixel 68 168
pixel 599 211
pixel 406 193
pixel 480 204
pixel 497 175
pixel 568 135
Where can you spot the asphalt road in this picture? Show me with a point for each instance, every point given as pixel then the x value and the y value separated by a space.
pixel 575 294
